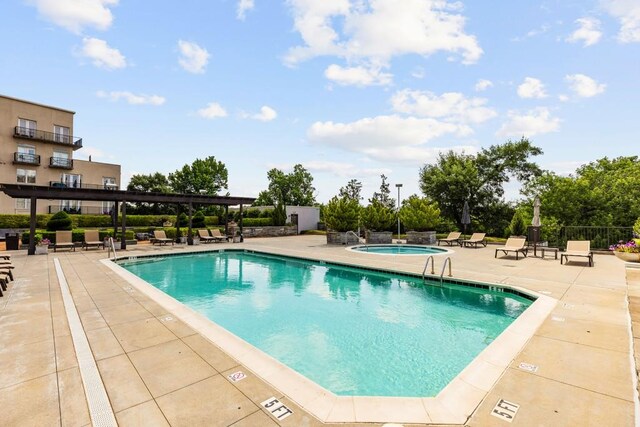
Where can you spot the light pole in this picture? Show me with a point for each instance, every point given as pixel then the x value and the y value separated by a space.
pixel 399 186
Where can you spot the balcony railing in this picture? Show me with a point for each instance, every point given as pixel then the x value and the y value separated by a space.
pixel 61 163
pixel 600 237
pixel 26 159
pixel 59 184
pixel 55 138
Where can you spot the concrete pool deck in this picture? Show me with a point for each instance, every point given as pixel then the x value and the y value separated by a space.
pixel 158 371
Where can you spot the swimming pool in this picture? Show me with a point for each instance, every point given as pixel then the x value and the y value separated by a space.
pixel 399 249
pixel 353 331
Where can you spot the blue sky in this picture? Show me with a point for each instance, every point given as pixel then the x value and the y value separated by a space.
pixel 348 88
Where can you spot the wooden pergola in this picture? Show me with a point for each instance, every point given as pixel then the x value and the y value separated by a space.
pixel 35 192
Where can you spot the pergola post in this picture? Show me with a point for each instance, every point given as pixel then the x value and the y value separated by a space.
pixel 241 233
pixel 32 228
pixel 189 233
pixel 226 220
pixel 115 220
pixel 123 242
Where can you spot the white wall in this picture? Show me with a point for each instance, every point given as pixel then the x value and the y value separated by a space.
pixel 308 216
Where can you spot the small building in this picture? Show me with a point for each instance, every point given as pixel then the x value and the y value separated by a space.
pixel 37 147
pixel 305 217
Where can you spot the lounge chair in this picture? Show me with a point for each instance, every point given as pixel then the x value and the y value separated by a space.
pixel 215 233
pixel 204 236
pixel 580 248
pixel 453 237
pixel 92 238
pixel 63 240
pixel 160 237
pixel 475 240
pixel 514 244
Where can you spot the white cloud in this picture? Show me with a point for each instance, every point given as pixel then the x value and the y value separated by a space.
pixel 74 15
pixel 387 138
pixel 482 85
pixel 213 110
pixel 243 7
pixel 584 86
pixel 194 58
pixel 266 114
pixel 132 98
pixel 101 54
pixel 531 88
pixel 563 98
pixel 358 76
pixel 341 169
pixel 452 107
pixel 534 122
pixel 377 30
pixel 588 32
pixel 628 13
pixel 418 73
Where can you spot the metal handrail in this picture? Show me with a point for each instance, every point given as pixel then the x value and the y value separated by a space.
pixel 61 162
pixel 446 261
pixel 346 240
pixel 426 265
pixel 112 247
pixel 26 158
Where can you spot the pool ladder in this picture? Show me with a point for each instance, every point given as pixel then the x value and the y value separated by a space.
pixel 112 247
pixel 447 261
pixel 346 240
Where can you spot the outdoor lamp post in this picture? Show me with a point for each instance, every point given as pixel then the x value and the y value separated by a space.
pixel 399 186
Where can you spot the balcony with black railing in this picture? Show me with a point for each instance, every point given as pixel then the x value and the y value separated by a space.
pixel 26 159
pixel 50 137
pixel 60 163
pixel 58 184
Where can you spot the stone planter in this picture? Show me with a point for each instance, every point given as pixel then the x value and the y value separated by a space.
pixel 42 249
pixel 341 238
pixel 627 256
pixel 421 237
pixel 378 237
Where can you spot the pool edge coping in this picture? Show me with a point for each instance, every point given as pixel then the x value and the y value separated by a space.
pixel 454 404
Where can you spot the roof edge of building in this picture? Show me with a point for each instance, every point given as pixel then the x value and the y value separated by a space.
pixel 36 103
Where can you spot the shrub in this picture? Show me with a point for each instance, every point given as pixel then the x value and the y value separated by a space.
pixel 257 222
pixel 60 221
pixel 198 220
pixel 636 228
pixel 253 213
pixel 342 214
pixel 419 214
pixel 267 213
pixel 517 226
pixel 182 220
pixel 378 216
pixel 279 215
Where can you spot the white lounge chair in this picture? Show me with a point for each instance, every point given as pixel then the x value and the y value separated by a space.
pixel 453 237
pixel 475 240
pixel 514 244
pixel 579 248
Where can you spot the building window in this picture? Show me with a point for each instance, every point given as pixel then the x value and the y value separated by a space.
pixel 23 204
pixel 108 183
pixel 27 127
pixel 61 159
pixel 26 154
pixel 26 176
pixel 61 134
pixel 72 180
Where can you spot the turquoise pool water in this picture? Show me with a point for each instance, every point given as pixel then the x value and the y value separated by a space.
pixel 399 249
pixel 353 331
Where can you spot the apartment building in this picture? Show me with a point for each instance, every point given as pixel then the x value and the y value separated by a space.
pixel 37 147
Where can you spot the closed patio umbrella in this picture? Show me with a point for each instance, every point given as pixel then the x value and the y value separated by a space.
pixel 536 213
pixel 466 218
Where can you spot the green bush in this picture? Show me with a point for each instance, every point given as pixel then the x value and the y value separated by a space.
pixel 419 214
pixel 279 215
pixel 198 220
pixel 636 228
pixel 257 222
pixel 517 226
pixel 253 213
pixel 94 221
pixel 60 221
pixel 342 214
pixel 211 220
pixel 378 216
pixel 182 220
pixel 267 213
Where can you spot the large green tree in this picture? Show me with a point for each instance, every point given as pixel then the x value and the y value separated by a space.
pixel 478 179
pixel 156 183
pixel 208 176
pixel 384 196
pixel 352 190
pixel 290 189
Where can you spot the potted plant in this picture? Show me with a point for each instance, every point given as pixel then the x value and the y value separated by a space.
pixel 377 219
pixel 420 216
pixel 341 215
pixel 629 251
pixel 42 244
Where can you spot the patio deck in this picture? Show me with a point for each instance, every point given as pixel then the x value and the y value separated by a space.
pixel 158 371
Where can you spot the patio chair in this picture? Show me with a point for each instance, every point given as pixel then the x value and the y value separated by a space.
pixel 453 237
pixel 215 233
pixel 514 244
pixel 475 240
pixel 160 237
pixel 204 236
pixel 92 238
pixel 579 248
pixel 63 240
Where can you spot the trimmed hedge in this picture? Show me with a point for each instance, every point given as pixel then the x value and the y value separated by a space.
pixel 257 222
pixel 93 221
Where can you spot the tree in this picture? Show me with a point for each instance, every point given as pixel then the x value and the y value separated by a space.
pixel 378 216
pixel 517 226
pixel 384 196
pixel 342 214
pixel 156 183
pixel 292 189
pixel 419 214
pixel 207 176
pixel 351 191
pixel 478 179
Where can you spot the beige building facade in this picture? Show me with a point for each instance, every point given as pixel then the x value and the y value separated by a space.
pixel 37 147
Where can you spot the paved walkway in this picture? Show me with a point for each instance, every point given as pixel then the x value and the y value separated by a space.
pixel 157 371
